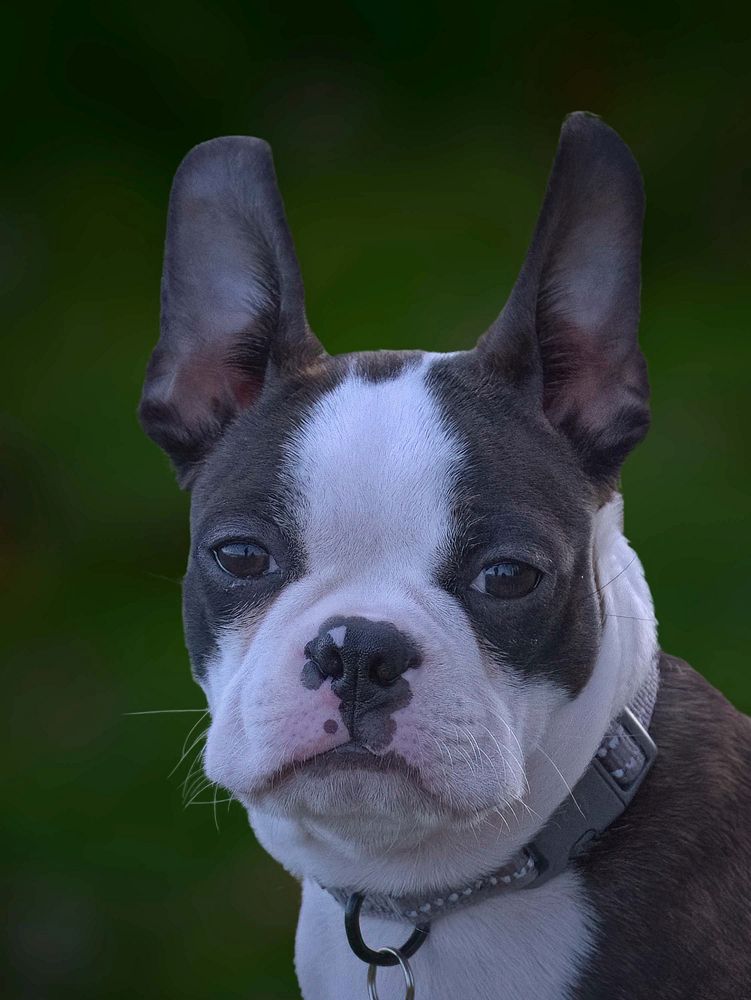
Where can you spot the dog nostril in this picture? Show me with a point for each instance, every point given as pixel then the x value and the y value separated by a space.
pixel 328 663
pixel 334 666
pixel 380 673
pixel 375 670
pixel 326 659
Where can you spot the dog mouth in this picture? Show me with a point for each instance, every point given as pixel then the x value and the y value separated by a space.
pixel 350 783
pixel 353 752
pixel 346 757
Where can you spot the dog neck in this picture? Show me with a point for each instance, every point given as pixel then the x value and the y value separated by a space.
pixel 575 729
pixel 605 790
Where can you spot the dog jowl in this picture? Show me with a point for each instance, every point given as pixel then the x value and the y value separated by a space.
pixel 409 601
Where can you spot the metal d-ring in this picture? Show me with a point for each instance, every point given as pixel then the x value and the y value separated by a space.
pixel 384 956
pixel 398 959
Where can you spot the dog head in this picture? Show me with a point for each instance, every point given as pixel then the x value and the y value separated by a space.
pixel 395 592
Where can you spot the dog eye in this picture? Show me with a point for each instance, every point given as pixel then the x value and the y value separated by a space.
pixel 508 579
pixel 245 559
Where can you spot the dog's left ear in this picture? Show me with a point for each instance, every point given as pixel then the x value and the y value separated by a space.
pixel 568 332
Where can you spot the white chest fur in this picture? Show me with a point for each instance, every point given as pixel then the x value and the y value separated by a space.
pixel 526 945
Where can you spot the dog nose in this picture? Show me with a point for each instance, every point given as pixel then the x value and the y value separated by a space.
pixel 362 655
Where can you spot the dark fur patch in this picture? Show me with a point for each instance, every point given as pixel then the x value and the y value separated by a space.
pixel 380 366
pixel 519 494
pixel 238 492
pixel 670 881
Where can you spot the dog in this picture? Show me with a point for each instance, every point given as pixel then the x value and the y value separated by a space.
pixel 429 652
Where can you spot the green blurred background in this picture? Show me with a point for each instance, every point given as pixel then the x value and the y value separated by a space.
pixel 412 148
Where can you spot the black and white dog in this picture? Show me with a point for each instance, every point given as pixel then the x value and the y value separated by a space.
pixel 429 652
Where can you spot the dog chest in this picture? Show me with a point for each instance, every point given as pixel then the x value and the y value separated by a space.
pixel 529 944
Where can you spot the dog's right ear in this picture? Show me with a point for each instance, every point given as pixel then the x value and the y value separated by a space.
pixel 232 299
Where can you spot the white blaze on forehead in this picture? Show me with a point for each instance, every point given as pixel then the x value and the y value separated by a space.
pixel 373 465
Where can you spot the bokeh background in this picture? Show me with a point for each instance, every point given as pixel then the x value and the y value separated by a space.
pixel 412 145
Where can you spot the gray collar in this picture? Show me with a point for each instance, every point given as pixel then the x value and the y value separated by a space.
pixel 606 788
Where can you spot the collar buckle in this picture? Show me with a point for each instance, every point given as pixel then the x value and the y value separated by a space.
pixel 645 743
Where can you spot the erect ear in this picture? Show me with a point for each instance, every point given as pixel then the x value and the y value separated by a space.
pixel 232 299
pixel 569 329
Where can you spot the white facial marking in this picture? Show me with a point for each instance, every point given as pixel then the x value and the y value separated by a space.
pixel 374 463
pixel 338 635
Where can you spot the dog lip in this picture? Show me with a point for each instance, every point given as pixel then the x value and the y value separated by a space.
pixel 352 755
pixel 351 747
pixel 344 755
pixel 347 756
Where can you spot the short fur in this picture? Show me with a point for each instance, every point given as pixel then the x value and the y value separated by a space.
pixel 389 722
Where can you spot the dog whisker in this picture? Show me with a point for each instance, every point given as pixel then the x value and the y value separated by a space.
pixel 499 748
pixel 519 761
pixel 193 729
pixel 216 818
pixel 193 745
pixel 167 579
pixel 569 790
pixel 633 618
pixel 501 781
pixel 167 711
pixel 599 590
pixel 199 790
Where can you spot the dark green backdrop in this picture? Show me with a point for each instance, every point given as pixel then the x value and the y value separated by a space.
pixel 412 148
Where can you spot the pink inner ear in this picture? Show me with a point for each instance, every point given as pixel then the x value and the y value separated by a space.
pixel 584 374
pixel 246 390
pixel 204 389
pixel 601 404
pixel 590 399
